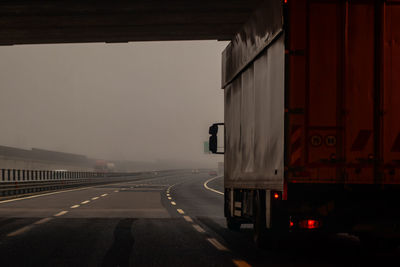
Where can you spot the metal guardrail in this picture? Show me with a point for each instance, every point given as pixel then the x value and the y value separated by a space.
pixel 12 175
pixel 15 182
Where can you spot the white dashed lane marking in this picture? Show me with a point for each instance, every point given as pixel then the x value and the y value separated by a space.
pixel 103 195
pixel 169 198
pixel 217 245
pixel 180 211
pixel 85 202
pixel 173 203
pixel 198 228
pixel 61 213
pixel 94 198
pixel 75 206
pixel 188 219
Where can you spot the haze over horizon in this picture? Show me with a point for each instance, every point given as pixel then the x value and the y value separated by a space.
pixel 135 101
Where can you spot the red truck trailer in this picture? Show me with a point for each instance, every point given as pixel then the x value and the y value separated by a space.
pixel 312 128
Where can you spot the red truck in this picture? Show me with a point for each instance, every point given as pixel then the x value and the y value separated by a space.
pixel 312 119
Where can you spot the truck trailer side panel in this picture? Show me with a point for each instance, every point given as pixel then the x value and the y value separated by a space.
pixel 254 106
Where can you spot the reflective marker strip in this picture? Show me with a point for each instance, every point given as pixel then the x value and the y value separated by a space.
pixel 61 213
pixel 217 245
pixel 188 219
pixel 180 211
pixel 173 203
pixel 75 206
pixel 198 228
pixel 241 263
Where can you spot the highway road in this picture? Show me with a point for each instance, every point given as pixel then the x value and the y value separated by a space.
pixel 166 220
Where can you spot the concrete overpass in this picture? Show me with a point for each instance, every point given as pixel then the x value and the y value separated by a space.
pixel 38 22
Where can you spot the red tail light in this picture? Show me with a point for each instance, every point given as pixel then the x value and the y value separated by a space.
pixel 310 224
pixel 276 195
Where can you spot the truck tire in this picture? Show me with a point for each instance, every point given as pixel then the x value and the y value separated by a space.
pixel 233 224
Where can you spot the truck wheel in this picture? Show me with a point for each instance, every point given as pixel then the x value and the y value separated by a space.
pixel 233 224
pixel 260 230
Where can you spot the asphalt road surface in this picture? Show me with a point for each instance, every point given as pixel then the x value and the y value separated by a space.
pixel 166 220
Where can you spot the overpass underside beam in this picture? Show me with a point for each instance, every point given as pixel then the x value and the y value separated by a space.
pixel 35 22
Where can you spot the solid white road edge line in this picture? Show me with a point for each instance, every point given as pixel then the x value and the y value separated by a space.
pixel 211 189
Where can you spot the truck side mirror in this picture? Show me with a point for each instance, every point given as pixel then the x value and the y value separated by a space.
pixel 213 141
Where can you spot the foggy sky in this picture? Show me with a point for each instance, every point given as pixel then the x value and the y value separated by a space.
pixel 135 101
